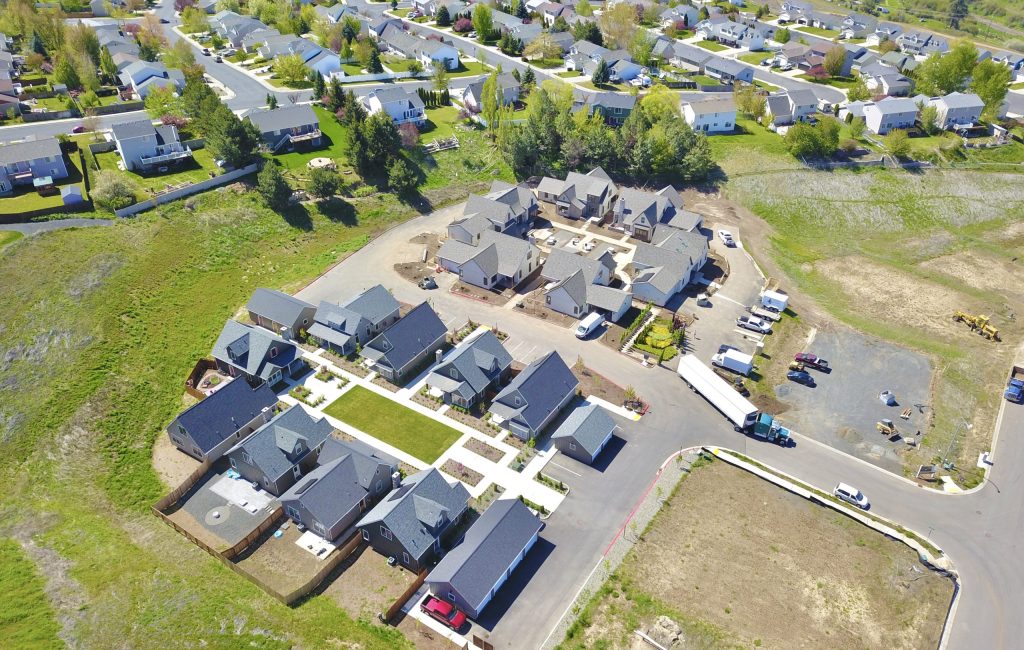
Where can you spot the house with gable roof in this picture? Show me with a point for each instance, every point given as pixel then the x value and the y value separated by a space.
pixel 790 106
pixel 410 522
pixel 889 114
pixel 585 433
pixel 401 350
pixel 534 397
pixel 637 212
pixel 209 428
pixel 280 313
pixel 506 208
pixel 255 353
pixel 664 267
pixel 145 147
pixel 348 479
pixel 475 367
pixel 342 328
pixel 957 109
pixel 286 128
pixel 400 103
pixel 281 451
pixel 579 196
pixel 495 261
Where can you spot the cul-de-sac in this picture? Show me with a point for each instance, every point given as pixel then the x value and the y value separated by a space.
pixel 526 324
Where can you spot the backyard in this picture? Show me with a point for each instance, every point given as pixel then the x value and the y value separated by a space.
pixel 199 168
pixel 439 124
pixel 397 425
pixel 723 578
pixel 828 34
pixel 333 143
pixel 712 46
pixel 26 198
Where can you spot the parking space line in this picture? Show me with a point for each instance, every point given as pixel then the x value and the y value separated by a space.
pixel 722 295
pixel 564 467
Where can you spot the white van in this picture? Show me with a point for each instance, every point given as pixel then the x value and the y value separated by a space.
pixel 852 495
pixel 588 325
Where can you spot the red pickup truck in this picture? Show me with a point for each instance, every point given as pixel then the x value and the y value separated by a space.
pixel 444 612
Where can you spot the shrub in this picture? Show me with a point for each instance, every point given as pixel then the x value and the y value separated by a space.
pixel 463 25
pixel 112 190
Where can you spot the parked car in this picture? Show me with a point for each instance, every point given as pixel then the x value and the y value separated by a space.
pixel 444 612
pixel 852 495
pixel 78 129
pixel 786 67
pixel 766 62
pixel 428 283
pixel 551 241
pixel 800 377
pixel 206 51
pixel 218 59
pixel 588 325
pixel 726 237
pixel 471 35
pixel 811 361
pixel 755 324
pixel 589 246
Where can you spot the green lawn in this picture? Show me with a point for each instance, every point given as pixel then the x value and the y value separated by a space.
pixel 334 136
pixel 352 69
pixel 836 82
pixel 712 46
pixel 9 237
pixel 766 86
pixel 609 86
pixel 568 74
pixel 470 68
pixel 817 31
pixel 704 80
pixel 547 64
pixel 754 58
pixel 1017 86
pixel 397 63
pixel 189 171
pixel 27 198
pixel 27 619
pixel 439 123
pixel 397 425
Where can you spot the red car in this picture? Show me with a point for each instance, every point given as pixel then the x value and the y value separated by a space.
pixel 78 129
pixel 444 612
pixel 811 361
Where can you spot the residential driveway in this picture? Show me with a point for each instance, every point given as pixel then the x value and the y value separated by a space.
pixel 841 411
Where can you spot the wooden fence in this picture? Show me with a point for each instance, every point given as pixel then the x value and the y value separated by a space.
pixel 242 544
pixel 192 381
pixel 406 595
pixel 339 556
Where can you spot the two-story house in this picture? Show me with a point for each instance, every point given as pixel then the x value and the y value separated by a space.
pixel 476 366
pixel 402 105
pixel 400 351
pixel 613 108
pixel 410 522
pixel 209 428
pixel 256 354
pixel 508 87
pixel 506 208
pixel 429 52
pixel 579 196
pixel 144 147
pixel 790 106
pixel 21 163
pixel 637 212
pixel 716 115
pixel 494 262
pixel 957 109
pixel 343 328
pixel 534 397
pixel 889 114
pixel 664 267
pixel 287 127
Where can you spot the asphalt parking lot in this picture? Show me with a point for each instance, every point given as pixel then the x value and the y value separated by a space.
pixel 842 409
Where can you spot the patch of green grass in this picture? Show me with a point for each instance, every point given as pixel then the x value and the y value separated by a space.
pixel 547 64
pixel 568 74
pixel 835 82
pixel 9 237
pixel 439 123
pixel 1012 153
pixel 26 619
pixel 397 425
pixel 352 68
pixel 26 198
pixel 704 80
pixel 712 46
pixel 754 58
pixel 469 69
pixel 333 135
pixel 199 168
pixel 827 34
pixel 607 86
pixel 1017 86
pixel 397 63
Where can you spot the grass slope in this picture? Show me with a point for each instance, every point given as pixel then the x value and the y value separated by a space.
pixel 393 423
pixel 26 619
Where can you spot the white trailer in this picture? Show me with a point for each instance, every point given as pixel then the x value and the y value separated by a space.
pixel 775 300
pixel 734 360
pixel 716 390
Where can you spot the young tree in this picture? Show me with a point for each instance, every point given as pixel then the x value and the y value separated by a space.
pixel 440 78
pixel 749 101
pixel 519 9
pixel 88 100
pixel 319 85
pixel 64 73
pixel 887 46
pixel 107 65
pixel 587 30
pixel 179 55
pixel 491 100
pixel 194 21
pixel 272 186
pixel 957 12
pixel 781 35
pixel 401 179
pixel 373 65
pixel 834 60
pixel 897 143
pixel 818 141
pixel 483 21
pixel 381 137
pixel 857 128
pixel 463 25
pixel 990 82
pixel 642 48
pixel 290 68
pixel 559 25
pixel 163 101
pixel 271 101
pixel 704 14
pixel 601 74
pixel 112 190
pixel 528 81
pixel 583 8
pixel 858 92
pixel 929 117
pixel 442 17
pixel 323 182
pixel 618 24
pixel 81 38
pixel 542 47
pixel 415 67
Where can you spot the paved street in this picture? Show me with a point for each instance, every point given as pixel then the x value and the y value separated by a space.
pixel 980 531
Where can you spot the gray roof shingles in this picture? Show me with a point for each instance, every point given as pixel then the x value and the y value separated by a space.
pixel 271 445
pixel 407 338
pixel 216 418
pixel 588 426
pixel 477 362
pixel 541 387
pixel 375 304
pixel 276 306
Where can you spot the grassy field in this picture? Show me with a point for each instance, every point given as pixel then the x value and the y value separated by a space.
pixel 103 325
pixel 711 46
pixel 704 80
pixel 736 562
pixel 828 34
pixel 754 58
pixel 26 619
pixel 439 123
pixel 393 423
pixel 9 237
pixel 469 69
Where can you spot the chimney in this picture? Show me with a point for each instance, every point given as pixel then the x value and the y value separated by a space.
pixel 620 209
pixel 396 480
pixel 438 355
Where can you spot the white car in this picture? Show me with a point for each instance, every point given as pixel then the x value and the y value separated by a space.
pixel 755 324
pixel 851 495
pixel 726 237
pixel 589 246
pixel 551 241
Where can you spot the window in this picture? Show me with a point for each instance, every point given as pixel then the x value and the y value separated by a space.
pixel 519 402
pixel 572 446
pixel 246 458
pixel 454 373
pixel 451 596
pixel 318 527
pixel 385 533
pixel 233 466
pixel 182 431
pixel 293 513
pixel 366 534
pixel 273 352
pixel 405 559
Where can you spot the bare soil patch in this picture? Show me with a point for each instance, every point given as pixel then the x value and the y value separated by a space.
pixel 279 562
pixel 594 383
pixel 495 298
pixel 978 271
pixel 481 448
pixel 366 584
pixel 172 465
pixel 736 561
pixel 457 470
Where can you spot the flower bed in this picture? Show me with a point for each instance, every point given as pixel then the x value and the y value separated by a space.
pixel 481 448
pixel 461 472
pixel 305 396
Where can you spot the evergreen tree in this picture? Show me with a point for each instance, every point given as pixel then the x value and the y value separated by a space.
pixel 271 101
pixel 374 66
pixel 442 17
pixel 319 86
pixel 272 186
pixel 601 74
pixel 35 44
pixel 107 65
pixel 229 138
pixel 64 73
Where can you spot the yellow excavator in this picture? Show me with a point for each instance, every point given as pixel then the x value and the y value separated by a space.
pixel 980 324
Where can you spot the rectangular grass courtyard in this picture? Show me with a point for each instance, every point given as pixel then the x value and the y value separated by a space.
pixel 397 425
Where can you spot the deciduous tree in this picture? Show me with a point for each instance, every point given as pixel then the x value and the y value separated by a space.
pixel 272 186
pixel 483 21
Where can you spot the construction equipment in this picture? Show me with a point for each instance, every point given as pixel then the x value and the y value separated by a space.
pixel 980 324
pixel 886 427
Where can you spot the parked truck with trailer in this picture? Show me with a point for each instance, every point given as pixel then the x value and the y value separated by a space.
pixel 1015 385
pixel 734 360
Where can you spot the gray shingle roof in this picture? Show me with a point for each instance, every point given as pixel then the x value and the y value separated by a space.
pixel 670 258
pixel 133 129
pixel 496 252
pixel 802 97
pixel 23 151
pixel 490 547
pixel 561 263
pixel 283 117
pixel 477 363
pixel 575 285
pixel 606 297
pixel 408 511
pixel 388 95
pixel 407 338
pixel 336 324
pixel 541 387
pixel 278 307
pixel 588 426
pixel 893 105
pixel 271 446
pixel 961 100
pixel 246 347
pixel 216 418
pixel 375 304
pixel 716 105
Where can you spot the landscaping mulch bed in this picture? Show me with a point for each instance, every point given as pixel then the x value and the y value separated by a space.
pixel 461 472
pixel 348 365
pixel 593 383
pixel 384 383
pixel 490 494
pixel 477 293
pixel 430 403
pixel 481 448
pixel 526 452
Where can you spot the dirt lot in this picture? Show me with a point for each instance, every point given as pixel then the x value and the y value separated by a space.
pixel 280 562
pixel 171 465
pixel 367 585
pixel 737 562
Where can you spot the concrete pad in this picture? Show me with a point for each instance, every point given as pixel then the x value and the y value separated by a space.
pixel 240 492
pixel 314 544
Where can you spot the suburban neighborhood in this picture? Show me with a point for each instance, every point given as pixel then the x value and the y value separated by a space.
pixel 540 324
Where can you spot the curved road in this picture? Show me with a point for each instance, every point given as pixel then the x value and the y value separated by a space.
pixel 980 532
